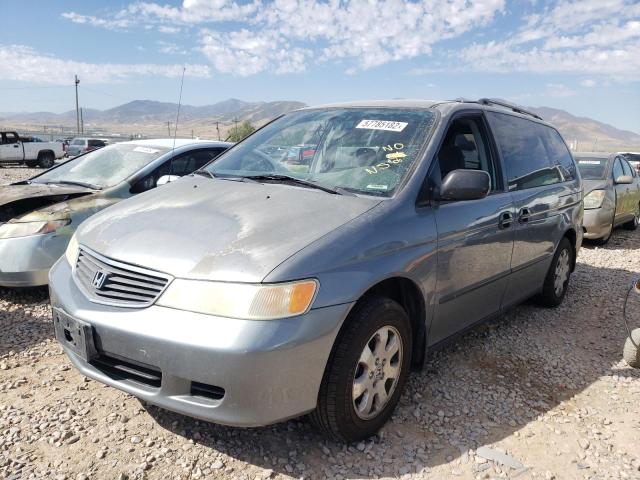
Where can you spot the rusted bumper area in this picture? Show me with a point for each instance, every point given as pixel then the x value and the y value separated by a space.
pixel 26 261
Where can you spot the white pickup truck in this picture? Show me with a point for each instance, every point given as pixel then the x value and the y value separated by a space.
pixel 14 150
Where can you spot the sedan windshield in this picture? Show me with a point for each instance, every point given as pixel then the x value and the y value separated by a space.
pixel 105 167
pixel 361 150
pixel 592 168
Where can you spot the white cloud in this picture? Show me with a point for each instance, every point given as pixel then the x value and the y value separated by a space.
pixel 589 83
pixel 168 29
pixel 21 63
pixel 109 24
pixel 171 48
pixel 288 35
pixel 593 37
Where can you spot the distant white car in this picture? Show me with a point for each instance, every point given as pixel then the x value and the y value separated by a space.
pixel 80 145
pixel 14 150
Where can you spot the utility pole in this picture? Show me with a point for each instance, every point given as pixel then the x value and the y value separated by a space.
pixel 169 128
pixel 77 109
pixel 218 129
pixel 81 122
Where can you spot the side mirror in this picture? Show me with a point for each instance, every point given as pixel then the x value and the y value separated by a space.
pixel 463 184
pixel 163 180
pixel 624 179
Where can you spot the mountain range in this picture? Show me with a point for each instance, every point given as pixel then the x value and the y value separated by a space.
pixel 150 118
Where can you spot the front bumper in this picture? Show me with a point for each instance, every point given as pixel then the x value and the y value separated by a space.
pixel 597 222
pixel 26 261
pixel 269 370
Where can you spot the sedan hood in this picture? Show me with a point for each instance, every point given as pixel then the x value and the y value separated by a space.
pixel 18 200
pixel 218 229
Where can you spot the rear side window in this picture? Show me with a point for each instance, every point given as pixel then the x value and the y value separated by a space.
pixel 524 152
pixel 96 143
pixel 558 152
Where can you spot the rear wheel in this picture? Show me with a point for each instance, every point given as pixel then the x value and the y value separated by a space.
pixel 631 353
pixel 633 224
pixel 46 160
pixel 366 373
pixel 557 279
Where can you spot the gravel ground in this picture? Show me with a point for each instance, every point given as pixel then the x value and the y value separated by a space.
pixel 534 394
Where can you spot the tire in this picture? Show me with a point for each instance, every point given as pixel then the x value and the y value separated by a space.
pixel 46 160
pixel 31 163
pixel 338 414
pixel 631 354
pixel 557 279
pixel 633 224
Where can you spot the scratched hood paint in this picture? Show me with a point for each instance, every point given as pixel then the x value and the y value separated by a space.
pixel 218 229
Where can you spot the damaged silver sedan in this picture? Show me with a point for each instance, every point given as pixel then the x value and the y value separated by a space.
pixel 39 216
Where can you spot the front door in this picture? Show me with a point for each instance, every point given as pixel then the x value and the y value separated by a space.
pixel 11 148
pixel 621 192
pixel 475 238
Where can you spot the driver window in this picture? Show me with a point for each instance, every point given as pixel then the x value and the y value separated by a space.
pixel 465 146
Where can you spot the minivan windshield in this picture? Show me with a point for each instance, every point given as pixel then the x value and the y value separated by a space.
pixel 360 150
pixel 592 168
pixel 105 167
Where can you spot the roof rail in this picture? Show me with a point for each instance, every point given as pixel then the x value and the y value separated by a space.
pixel 510 106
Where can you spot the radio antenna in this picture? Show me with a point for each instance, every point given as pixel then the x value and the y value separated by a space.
pixel 175 132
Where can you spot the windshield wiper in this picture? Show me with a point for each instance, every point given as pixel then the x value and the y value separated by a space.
pixel 276 177
pixel 80 184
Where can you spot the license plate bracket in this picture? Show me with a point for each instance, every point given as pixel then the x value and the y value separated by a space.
pixel 74 334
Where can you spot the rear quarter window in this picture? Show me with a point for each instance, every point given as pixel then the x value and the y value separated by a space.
pixel 527 152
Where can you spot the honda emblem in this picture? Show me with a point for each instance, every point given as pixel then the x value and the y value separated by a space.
pixel 98 279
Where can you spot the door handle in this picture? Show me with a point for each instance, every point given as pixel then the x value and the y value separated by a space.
pixel 505 220
pixel 523 216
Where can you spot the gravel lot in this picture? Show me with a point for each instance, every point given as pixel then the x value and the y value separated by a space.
pixel 535 394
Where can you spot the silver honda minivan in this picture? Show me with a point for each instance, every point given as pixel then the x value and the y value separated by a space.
pixel 266 286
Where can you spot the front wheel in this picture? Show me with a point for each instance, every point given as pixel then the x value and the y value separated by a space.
pixel 367 371
pixel 557 280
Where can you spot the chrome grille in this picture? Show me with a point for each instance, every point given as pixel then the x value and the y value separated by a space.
pixel 110 282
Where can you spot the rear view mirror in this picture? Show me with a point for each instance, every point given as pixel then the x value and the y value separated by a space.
pixel 463 184
pixel 624 179
pixel 163 180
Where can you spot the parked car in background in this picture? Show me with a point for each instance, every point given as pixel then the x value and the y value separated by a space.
pixel 32 153
pixel 611 194
pixel 81 145
pixel 38 216
pixel 255 293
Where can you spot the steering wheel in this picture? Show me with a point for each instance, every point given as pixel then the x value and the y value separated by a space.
pixel 256 161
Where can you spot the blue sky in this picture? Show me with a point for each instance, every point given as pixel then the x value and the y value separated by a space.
pixel 582 56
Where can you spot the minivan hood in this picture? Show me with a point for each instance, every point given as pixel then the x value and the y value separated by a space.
pixel 218 229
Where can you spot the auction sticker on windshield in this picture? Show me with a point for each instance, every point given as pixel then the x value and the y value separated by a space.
pixel 590 162
pixel 382 125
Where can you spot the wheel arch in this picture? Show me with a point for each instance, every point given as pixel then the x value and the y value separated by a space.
pixel 572 236
pixel 410 296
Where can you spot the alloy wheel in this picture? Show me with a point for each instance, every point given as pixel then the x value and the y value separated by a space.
pixel 377 372
pixel 561 272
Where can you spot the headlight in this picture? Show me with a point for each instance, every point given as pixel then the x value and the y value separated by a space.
pixel 72 250
pixel 241 300
pixel 25 229
pixel 594 199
